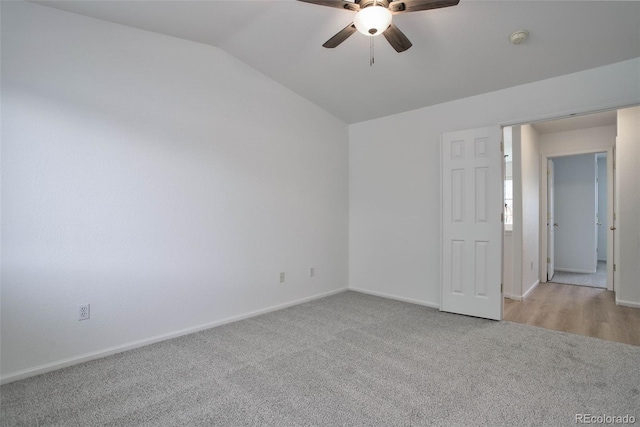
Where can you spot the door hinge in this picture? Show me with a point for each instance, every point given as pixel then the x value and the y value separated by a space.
pixel 501 146
pixel 548 171
pixel 614 267
pixel 614 216
pixel 501 288
pixel 502 217
pixel 548 216
pixel 614 164
pixel 548 260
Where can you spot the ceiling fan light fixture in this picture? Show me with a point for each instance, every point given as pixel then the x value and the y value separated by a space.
pixel 373 20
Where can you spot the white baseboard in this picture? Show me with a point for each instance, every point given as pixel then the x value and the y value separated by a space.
pixel 30 372
pixel 535 285
pixel 395 297
pixel 526 294
pixel 573 270
pixel 627 303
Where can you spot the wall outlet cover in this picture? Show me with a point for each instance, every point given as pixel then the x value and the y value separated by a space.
pixel 84 312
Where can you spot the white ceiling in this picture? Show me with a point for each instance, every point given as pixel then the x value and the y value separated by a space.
pixel 457 52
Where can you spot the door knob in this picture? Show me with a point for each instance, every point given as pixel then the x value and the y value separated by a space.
pixel 612 228
pixel 555 224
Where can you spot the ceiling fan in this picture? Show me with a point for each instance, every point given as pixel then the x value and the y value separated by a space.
pixel 374 17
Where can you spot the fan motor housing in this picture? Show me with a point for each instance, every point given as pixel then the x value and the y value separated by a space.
pixel 366 3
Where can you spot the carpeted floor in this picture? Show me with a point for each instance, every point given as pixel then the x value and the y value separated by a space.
pixel 596 280
pixel 346 360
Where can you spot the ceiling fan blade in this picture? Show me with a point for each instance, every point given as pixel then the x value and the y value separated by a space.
pixel 341 36
pixel 339 4
pixel 403 6
pixel 396 38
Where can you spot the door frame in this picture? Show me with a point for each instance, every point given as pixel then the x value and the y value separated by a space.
pixel 542 271
pixel 611 195
pixel 551 223
pixel 613 244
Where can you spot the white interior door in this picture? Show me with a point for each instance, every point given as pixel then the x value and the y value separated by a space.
pixel 551 221
pixel 472 216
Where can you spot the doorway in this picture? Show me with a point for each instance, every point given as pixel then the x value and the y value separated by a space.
pixel 553 147
pixel 531 146
pixel 570 148
pixel 577 220
pixel 567 307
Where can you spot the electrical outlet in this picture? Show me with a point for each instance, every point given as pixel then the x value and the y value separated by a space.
pixel 83 312
pixel 312 272
pixel 282 277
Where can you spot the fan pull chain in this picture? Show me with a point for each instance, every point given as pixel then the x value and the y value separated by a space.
pixel 372 60
pixel 371 52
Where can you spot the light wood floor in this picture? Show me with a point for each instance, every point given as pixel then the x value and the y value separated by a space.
pixel 576 309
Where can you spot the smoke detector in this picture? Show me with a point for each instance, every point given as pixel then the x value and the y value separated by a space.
pixel 519 36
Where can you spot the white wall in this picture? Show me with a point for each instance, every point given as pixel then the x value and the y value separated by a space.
pixel 394 176
pixel 628 202
pixel 517 258
pixel 602 209
pixel 526 165
pixel 530 165
pixel 591 140
pixel 507 240
pixel 507 264
pixel 160 180
pixel 575 209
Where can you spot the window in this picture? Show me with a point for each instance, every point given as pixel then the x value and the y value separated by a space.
pixel 508 201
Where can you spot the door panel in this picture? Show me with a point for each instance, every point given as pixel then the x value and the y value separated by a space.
pixel 472 210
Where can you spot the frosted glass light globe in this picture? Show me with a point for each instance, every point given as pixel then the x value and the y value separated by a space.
pixel 373 20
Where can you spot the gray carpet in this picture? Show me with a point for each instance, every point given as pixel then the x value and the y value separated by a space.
pixel 596 280
pixel 346 360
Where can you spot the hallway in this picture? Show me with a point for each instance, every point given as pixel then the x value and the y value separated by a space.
pixel 596 280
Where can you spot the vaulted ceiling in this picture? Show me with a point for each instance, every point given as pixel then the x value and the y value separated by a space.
pixel 457 51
